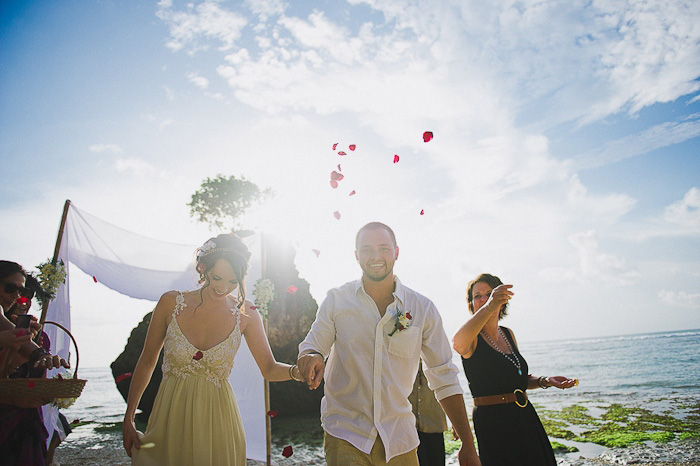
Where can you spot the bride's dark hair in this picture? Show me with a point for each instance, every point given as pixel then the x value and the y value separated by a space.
pixel 230 248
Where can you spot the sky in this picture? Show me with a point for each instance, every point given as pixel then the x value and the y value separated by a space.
pixel 565 157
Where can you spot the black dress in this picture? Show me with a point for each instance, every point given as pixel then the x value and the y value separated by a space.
pixel 507 434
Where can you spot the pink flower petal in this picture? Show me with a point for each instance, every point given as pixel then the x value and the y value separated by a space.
pixel 396 158
pixel 335 145
pixel 94 278
pixel 427 136
pixel 198 355
pixel 352 193
pixel 422 212
pixel 352 146
pixel 339 168
pixel 272 413
pixel 334 184
pixel 123 377
pixel 287 452
pixel 291 289
pixel 342 153
pixel 336 176
pixel 336 214
pixel 317 252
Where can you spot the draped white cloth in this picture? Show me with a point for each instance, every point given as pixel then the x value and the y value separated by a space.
pixel 145 268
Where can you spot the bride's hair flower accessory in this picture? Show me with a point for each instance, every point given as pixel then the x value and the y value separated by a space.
pixel 403 321
pixel 211 247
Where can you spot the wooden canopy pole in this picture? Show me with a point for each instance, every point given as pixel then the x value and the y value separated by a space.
pixel 268 424
pixel 57 249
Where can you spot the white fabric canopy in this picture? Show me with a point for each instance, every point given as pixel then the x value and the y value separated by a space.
pixel 145 268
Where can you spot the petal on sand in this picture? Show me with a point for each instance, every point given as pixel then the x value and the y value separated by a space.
pixel 287 452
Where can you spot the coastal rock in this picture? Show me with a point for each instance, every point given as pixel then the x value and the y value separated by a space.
pixel 289 319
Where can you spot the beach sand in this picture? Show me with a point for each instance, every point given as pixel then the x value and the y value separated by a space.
pixel 86 447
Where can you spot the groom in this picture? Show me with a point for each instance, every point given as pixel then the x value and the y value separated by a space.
pixel 378 330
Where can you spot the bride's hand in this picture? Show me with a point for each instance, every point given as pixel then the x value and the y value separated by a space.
pixel 130 436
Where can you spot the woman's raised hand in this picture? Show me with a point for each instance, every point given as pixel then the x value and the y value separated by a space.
pixel 499 296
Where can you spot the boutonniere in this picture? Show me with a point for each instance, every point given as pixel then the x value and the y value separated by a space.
pixel 403 321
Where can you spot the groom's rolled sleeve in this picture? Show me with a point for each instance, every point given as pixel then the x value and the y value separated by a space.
pixel 444 379
pixel 437 358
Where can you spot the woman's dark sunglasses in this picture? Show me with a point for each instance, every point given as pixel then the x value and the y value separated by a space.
pixel 11 288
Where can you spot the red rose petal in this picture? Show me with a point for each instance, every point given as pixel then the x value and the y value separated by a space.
pixel 427 136
pixel 336 214
pixel 339 168
pixel 396 158
pixel 287 452
pixel 30 384
pixel 334 184
pixel 22 300
pixel 317 252
pixel 352 193
pixel 122 377
pixel 198 355
pixel 94 278
pixel 408 314
pixel 352 146
pixel 422 211
pixel 342 153
pixel 272 413
pixel 335 145
pixel 291 289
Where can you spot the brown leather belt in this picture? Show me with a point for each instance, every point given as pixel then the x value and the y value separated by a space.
pixel 502 399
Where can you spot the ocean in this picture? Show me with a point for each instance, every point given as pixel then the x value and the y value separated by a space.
pixel 655 371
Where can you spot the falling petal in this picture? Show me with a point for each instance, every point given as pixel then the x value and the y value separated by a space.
pixel 342 153
pixel 335 145
pixel 30 384
pixel 22 300
pixel 123 377
pixel 352 193
pixel 339 168
pixel 336 214
pixel 427 136
pixel 94 278
pixel 317 252
pixel 336 176
pixel 396 158
pixel 352 146
pixel 291 289
pixel 287 452
pixel 422 211
pixel 272 413
pixel 198 355
pixel 334 184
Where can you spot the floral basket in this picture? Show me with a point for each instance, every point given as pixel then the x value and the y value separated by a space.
pixel 21 389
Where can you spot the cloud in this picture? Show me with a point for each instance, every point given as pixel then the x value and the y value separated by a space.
pixel 600 266
pixel 199 81
pixel 135 165
pixel 680 298
pixel 685 214
pixel 99 148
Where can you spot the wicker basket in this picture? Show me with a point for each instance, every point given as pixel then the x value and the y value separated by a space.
pixel 42 388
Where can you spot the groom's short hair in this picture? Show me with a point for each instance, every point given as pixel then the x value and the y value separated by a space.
pixel 374 226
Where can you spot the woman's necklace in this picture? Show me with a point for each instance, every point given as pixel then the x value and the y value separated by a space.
pixel 514 359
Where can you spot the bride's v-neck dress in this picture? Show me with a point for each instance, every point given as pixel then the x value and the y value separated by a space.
pixel 195 418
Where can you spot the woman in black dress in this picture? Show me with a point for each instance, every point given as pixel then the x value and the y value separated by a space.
pixel 508 431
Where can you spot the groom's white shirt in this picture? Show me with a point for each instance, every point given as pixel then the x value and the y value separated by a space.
pixel 370 374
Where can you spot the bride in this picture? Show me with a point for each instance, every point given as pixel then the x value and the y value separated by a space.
pixel 195 418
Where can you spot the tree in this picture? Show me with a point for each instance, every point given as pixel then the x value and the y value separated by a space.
pixel 222 201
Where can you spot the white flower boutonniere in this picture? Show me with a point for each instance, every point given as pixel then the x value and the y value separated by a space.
pixel 403 321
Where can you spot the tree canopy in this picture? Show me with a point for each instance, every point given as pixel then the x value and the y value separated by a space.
pixel 222 201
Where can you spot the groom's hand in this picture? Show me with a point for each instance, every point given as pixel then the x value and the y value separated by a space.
pixel 311 367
